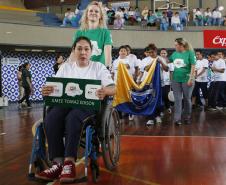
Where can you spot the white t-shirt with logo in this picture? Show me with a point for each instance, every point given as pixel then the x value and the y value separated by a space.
pixel 95 71
pixel 133 62
pixel 165 78
pixel 146 61
pixel 219 64
pixel 115 66
pixel 200 64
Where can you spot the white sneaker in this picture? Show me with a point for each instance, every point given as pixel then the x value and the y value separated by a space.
pixel 158 119
pixel 131 117
pixel 150 122
pixel 169 110
pixel 219 108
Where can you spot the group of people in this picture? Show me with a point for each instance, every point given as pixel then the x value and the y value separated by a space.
pixel 91 58
pixel 208 17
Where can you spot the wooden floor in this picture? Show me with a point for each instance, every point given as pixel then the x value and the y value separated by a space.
pixel 163 154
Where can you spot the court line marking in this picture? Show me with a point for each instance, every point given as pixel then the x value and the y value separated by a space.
pixel 128 177
pixel 210 137
pixel 131 178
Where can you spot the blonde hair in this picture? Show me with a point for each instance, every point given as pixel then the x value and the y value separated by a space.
pixel 103 16
pixel 184 43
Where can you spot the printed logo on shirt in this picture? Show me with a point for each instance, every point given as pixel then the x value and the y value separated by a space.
pixel 178 63
pixel 96 51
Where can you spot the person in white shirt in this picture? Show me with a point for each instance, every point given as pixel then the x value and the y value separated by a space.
pixel 166 82
pixel 218 68
pixel 216 17
pixel 133 62
pixel 201 81
pixel 123 58
pixel 198 17
pixel 176 23
pixel 120 13
pixel 208 17
pixel 164 67
pixel 61 120
pixel 69 15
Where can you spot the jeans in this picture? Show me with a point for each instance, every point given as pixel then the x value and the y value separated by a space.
pixel 177 27
pixel 27 92
pixel 182 91
pixel 164 26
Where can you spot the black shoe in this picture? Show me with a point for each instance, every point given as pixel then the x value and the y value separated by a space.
pixel 178 122
pixel 187 121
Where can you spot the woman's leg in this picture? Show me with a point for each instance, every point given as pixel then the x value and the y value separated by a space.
pixel 177 92
pixel 73 126
pixel 187 92
pixel 54 126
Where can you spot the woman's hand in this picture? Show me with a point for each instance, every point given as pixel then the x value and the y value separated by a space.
pixel 101 93
pixel 47 90
pixel 190 82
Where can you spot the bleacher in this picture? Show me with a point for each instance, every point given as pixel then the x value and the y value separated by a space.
pixel 26 17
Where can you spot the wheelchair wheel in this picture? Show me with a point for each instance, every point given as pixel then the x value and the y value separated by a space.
pixel 111 139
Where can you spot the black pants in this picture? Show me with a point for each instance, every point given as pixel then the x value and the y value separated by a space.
pixel 215 92
pixel 221 101
pixel 27 92
pixel 196 91
pixel 165 92
pixel 64 122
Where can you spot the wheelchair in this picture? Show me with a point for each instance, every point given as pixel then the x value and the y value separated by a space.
pixel 100 131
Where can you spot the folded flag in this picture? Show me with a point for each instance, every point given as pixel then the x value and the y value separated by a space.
pixel 137 99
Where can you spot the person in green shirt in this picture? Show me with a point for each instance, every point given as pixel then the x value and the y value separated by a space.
pixel 184 61
pixel 94 27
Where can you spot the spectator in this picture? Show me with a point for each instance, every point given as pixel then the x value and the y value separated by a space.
pixel 176 23
pixel 183 79
pixel 27 85
pixel 118 22
pixel 207 17
pixel 144 13
pixel 151 19
pixel 198 17
pixel 68 17
pixel 216 17
pixel 183 15
pixel 111 16
pixel 158 15
pixel 121 14
pixel 169 15
pixel 59 62
pixel 137 14
pixel 131 16
pixel 164 24
pixel 94 26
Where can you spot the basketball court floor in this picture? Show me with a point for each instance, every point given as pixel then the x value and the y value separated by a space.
pixel 164 154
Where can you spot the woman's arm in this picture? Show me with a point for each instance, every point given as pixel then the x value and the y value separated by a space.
pixel 192 76
pixel 105 91
pixel 107 54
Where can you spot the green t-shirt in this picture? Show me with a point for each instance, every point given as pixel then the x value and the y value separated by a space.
pixel 182 65
pixel 99 38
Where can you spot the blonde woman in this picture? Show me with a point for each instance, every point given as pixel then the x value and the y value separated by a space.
pixel 94 27
pixel 184 61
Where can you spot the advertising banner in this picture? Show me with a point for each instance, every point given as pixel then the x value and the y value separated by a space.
pixel 214 38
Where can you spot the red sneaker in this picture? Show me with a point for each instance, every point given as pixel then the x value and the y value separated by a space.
pixel 51 173
pixel 68 173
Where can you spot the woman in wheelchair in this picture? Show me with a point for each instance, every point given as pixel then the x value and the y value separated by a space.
pixel 67 122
